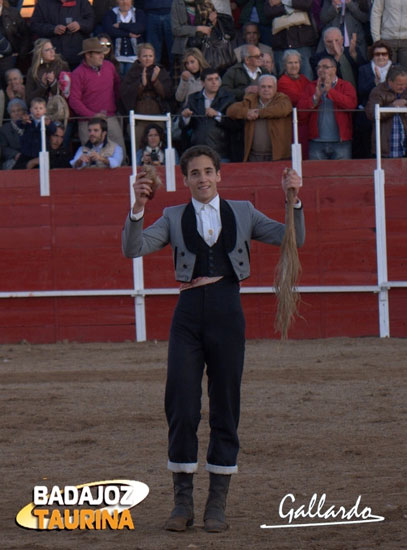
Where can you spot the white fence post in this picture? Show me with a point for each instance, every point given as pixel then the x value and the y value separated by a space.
pixel 169 158
pixel 44 162
pixel 296 150
pixel 381 240
pixel 138 270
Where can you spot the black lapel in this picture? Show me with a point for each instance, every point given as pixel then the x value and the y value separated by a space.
pixel 228 225
pixel 190 233
pixel 189 230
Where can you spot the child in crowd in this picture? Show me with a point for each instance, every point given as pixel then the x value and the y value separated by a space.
pixel 31 137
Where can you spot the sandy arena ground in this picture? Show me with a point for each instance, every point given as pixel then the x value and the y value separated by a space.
pixel 318 416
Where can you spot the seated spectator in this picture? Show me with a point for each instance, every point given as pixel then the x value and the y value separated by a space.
pixel 393 126
pixel 15 85
pixel 43 75
pixel 370 76
pixel 293 84
pixel 252 11
pixel 15 38
pixel 388 22
pixel 267 63
pixel 152 150
pixel 192 20
pixel 31 137
pixel 126 25
pixel 10 132
pixel 66 23
pixel 158 27
pixel 348 16
pixel 58 154
pixel 203 114
pixel 348 58
pixel 243 77
pixel 95 89
pixel 99 151
pixel 301 36
pixel 268 127
pixel 326 102
pixel 193 63
pixel 146 88
pixel 106 42
pixel 251 35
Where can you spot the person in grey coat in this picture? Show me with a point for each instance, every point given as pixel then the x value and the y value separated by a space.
pixel 211 240
pixel 10 133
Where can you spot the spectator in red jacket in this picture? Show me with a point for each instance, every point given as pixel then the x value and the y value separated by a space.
pixel 328 100
pixel 293 84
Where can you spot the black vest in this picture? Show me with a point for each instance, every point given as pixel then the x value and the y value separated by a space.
pixel 211 261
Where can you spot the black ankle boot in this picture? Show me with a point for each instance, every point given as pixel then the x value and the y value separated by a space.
pixel 182 515
pixel 214 518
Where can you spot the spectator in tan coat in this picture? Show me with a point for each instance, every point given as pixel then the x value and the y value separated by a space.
pixel 268 127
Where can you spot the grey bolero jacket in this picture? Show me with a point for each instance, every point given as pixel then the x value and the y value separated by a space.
pixel 240 221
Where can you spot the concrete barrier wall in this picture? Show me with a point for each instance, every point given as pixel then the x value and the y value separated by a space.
pixel 71 241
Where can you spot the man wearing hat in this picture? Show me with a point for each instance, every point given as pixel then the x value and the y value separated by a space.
pixel 95 90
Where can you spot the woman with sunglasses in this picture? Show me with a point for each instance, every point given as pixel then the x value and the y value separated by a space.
pixel 46 66
pixel 370 75
pixel 374 72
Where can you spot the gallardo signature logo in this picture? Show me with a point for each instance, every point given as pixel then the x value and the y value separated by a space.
pixel 117 496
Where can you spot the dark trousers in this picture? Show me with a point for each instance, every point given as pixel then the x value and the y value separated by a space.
pixel 208 327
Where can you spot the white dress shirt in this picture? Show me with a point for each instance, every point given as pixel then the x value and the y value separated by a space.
pixel 208 220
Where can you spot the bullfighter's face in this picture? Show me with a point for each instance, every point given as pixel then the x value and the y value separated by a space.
pixel 202 179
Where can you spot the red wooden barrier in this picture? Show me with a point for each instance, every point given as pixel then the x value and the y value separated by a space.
pixel 71 241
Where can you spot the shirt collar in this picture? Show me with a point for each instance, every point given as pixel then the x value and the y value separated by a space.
pixel 250 72
pixel 214 203
pixel 206 97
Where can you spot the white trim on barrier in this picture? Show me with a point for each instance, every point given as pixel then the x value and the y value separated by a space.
pixel 171 291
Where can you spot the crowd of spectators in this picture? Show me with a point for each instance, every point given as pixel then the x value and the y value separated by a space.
pixel 229 72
